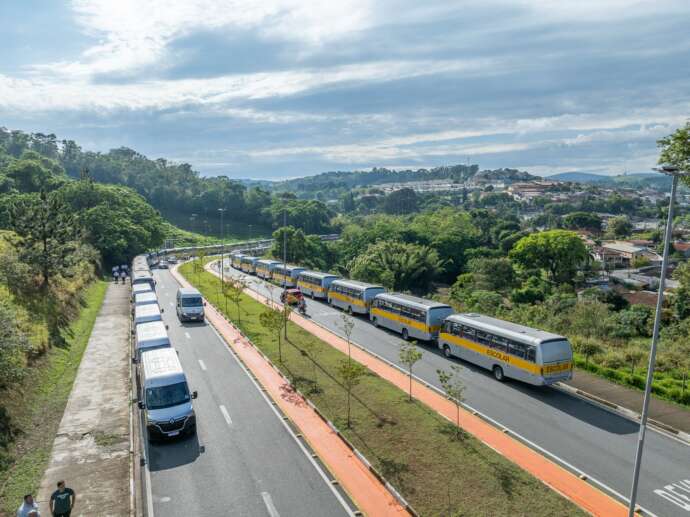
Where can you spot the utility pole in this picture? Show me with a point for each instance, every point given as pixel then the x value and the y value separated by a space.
pixel 675 173
pixel 222 245
pixel 285 255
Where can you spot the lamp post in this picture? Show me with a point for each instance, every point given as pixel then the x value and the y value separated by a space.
pixel 222 244
pixel 675 173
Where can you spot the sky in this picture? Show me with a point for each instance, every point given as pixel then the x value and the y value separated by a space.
pixel 275 89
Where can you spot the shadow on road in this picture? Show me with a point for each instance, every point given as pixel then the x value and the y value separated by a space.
pixel 171 454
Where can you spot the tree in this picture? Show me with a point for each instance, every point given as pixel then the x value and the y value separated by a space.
pixel 347 324
pixel 492 274
pixel 583 221
pixel 633 355
pixel 233 289
pixel 454 388
pixel 13 345
pixel 587 347
pixel 619 226
pixel 403 201
pixel 559 252
pixel 397 265
pixel 409 355
pixel 273 320
pixel 350 373
pixel 675 149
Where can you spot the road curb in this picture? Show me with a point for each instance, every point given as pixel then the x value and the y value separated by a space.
pixel 623 411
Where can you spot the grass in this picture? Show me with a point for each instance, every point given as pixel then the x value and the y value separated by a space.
pixel 417 450
pixel 35 408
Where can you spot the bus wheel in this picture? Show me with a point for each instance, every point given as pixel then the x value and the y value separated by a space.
pixel 446 350
pixel 405 334
pixel 375 322
pixel 498 373
pixel 349 310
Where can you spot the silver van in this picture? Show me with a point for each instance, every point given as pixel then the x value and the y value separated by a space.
pixel 190 304
pixel 165 396
pixel 150 336
pixel 147 298
pixel 141 288
pixel 146 313
pixel 143 277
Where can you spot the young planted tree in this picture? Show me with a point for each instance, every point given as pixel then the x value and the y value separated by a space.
pixel 587 347
pixel 633 356
pixel 272 319
pixel 233 289
pixel 454 388
pixel 350 374
pixel 409 355
pixel 347 324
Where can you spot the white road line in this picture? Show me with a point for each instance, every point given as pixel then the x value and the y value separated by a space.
pixel 226 415
pixel 269 504
pixel 186 334
pixel 203 367
pixel 316 466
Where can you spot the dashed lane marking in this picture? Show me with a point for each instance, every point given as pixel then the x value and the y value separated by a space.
pixel 203 367
pixel 226 415
pixel 269 504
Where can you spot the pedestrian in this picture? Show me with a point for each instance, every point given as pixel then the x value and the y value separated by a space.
pixel 62 501
pixel 123 275
pixel 29 508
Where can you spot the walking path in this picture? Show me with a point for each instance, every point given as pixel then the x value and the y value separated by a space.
pixel 663 413
pixel 359 482
pixel 91 449
pixel 566 483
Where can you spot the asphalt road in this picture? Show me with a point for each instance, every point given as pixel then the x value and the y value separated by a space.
pixel 576 433
pixel 244 461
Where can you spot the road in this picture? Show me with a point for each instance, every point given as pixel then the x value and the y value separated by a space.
pixel 244 460
pixel 575 433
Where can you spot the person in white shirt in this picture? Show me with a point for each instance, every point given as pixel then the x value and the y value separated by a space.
pixel 29 508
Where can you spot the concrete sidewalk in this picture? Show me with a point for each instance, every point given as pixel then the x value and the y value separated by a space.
pixel 91 449
pixel 659 410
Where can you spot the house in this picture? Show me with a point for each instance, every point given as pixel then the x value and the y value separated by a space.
pixel 623 254
pixel 682 247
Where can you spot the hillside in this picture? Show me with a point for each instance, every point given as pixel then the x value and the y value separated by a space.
pixel 631 180
pixel 578 177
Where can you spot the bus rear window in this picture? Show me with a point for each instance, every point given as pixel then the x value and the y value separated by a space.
pixel 553 351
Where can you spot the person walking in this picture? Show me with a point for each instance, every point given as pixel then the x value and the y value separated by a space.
pixel 29 508
pixel 62 501
pixel 123 275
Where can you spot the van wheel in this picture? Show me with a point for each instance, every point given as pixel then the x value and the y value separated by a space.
pixel 375 322
pixel 498 374
pixel 405 334
pixel 349 310
pixel 446 350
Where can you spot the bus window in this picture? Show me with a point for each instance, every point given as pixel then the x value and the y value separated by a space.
pixel 516 349
pixel 531 353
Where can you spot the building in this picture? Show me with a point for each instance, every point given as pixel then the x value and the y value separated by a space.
pixel 623 254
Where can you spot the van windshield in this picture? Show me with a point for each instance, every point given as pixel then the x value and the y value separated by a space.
pixel 191 301
pixel 167 396
pixel 552 351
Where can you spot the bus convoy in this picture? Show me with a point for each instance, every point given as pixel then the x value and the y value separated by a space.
pixel 506 349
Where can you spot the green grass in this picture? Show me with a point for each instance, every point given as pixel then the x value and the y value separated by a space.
pixel 415 448
pixel 35 408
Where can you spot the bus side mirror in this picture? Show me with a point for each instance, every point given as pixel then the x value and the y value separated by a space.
pixel 195 394
pixel 140 403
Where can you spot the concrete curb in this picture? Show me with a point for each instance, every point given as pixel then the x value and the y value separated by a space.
pixel 624 412
pixel 393 491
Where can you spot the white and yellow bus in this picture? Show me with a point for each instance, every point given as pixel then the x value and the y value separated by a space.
pixel 411 316
pixel 315 284
pixel 236 259
pixel 264 268
pixel 248 264
pixel 286 275
pixel 507 349
pixel 353 296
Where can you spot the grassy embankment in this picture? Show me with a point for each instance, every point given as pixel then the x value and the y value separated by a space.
pixel 35 407
pixel 415 448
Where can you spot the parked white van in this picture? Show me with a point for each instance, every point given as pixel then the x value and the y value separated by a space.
pixel 146 313
pixel 147 298
pixel 165 396
pixel 190 304
pixel 150 336
pixel 140 289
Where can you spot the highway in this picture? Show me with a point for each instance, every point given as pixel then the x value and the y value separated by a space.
pixel 575 433
pixel 244 460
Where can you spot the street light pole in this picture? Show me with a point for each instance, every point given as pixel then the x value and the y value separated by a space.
pixel 674 172
pixel 285 263
pixel 222 244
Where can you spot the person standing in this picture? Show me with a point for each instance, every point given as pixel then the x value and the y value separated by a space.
pixel 29 508
pixel 62 501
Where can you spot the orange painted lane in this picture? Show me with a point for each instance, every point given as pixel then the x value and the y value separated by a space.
pixel 369 494
pixel 586 496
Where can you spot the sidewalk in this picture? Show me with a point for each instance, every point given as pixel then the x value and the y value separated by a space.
pixel 577 490
pixel 659 410
pixel 91 449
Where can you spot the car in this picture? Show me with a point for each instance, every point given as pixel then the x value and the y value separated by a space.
pixel 172 259
pixel 163 265
pixel 292 296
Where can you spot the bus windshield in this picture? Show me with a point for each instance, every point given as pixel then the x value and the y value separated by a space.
pixel 552 351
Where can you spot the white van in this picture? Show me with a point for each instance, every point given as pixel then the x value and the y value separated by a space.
pixel 146 313
pixel 165 396
pixel 140 289
pixel 150 336
pixel 147 298
pixel 190 304
pixel 143 277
